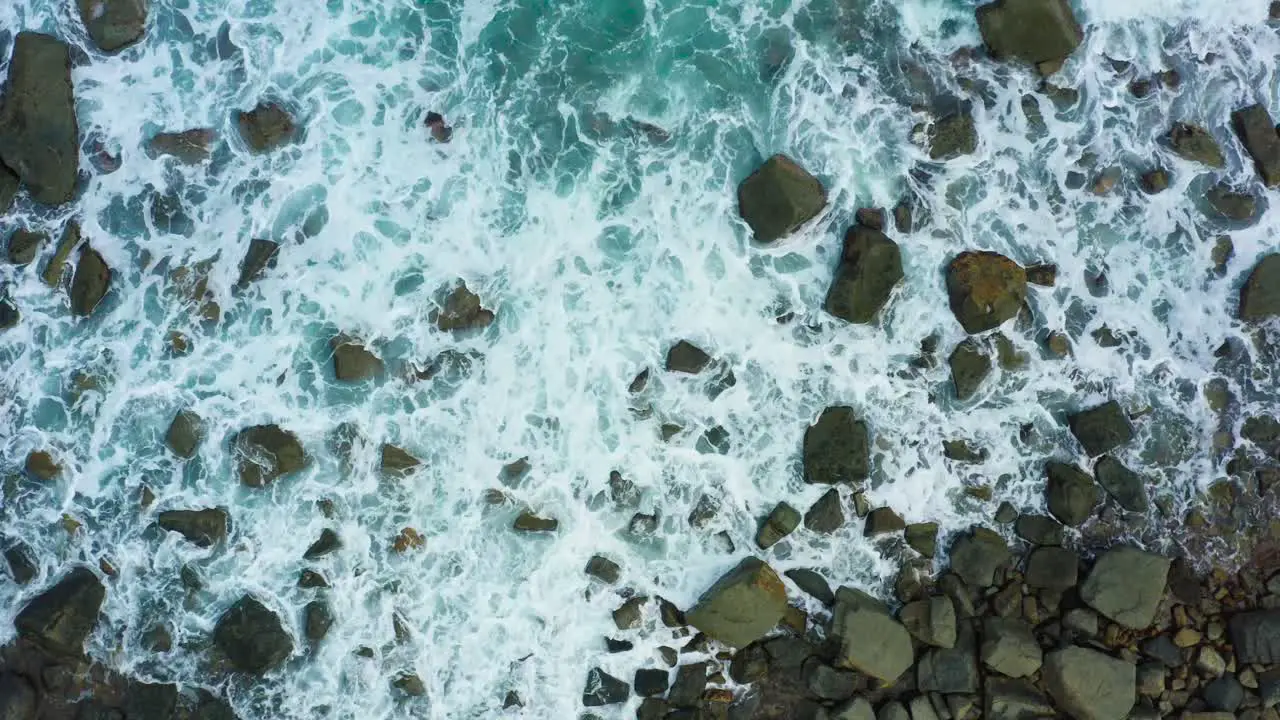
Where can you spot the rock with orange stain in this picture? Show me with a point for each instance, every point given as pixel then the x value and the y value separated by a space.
pixel 408 539
pixel 742 606
pixel 985 289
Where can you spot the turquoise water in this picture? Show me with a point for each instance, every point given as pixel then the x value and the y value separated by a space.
pixel 588 197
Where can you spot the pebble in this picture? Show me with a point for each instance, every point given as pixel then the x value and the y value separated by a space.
pixel 1186 638
pixel 1210 662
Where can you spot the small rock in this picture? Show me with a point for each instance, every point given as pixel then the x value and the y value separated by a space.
pixel 39 136
pixel 650 681
pixel 950 670
pixel 1071 493
pixel 41 466
pixel 90 282
pixel 812 583
pixel 317 618
pixel 1081 620
pixel 872 218
pixel 1006 513
pixel 410 684
pixel 778 198
pixel 462 311
pixel 1126 585
pixel 1209 662
pixel 829 684
pixel 869 270
pixel 1102 429
pixel 327 543
pixel 266 127
pixel 1256 636
pixel 1089 685
pixel 1260 295
pixel 961 451
pixel 352 362
pixel 604 569
pixel 1121 483
pixel 24 245
pixel 953 135
pixel 252 637
pixel 1224 694
pixel 1194 143
pixel 883 521
pixel 267 452
pixel 312 579
pixel 970 366
pixel 836 448
pixel 781 522
pixel 189 146
pixel 826 515
pixel 22 565
pixel 1009 647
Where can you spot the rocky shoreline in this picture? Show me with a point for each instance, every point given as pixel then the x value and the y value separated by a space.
pixel 1033 616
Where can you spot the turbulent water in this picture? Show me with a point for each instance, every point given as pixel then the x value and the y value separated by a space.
pixel 599 242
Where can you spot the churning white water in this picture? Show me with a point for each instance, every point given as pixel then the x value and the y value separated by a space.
pixel 598 245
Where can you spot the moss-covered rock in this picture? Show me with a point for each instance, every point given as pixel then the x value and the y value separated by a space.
pixel 1232 204
pixel 113 24
pixel 1101 429
pixel 1194 143
pixel 24 245
pixel 462 311
pixel 1033 31
pixel 396 462
pixel 1257 132
pixel 781 522
pixel 778 198
pixel 1260 295
pixel 188 146
pixel 985 289
pixel 952 136
pixel 204 527
pixel 352 361
pixel 836 448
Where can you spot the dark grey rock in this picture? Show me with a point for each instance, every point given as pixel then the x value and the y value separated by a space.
pixel 781 522
pixel 252 637
pixel 327 543
pixel 185 434
pixel 90 283
pixel 742 606
pixel 604 689
pixel 953 135
pixel 836 448
pixel 923 538
pixel 267 452
pixel 1102 429
pixel 462 311
pixel 950 670
pixel 826 515
pixel 1256 636
pixel 778 198
pixel 1010 699
pixel 1089 685
pixel 1194 143
pixel 1121 483
pixel 24 245
pixel 687 688
pixel 113 24
pixel 1039 530
pixel 650 681
pixel 1126 585
pixel 1033 31
pixel 685 357
pixel 1232 204
pixel 22 564
pixel 39 137
pixel 190 147
pixel 61 618
pixel 17 698
pixel 893 710
pixel 205 527
pixel 871 267
pixel 883 521
pixel 1071 493
pixel 1224 694
pixel 976 556
pixel 962 451
pixel 932 621
pixel 260 256
pixel 1257 132
pixel 1009 647
pixel 922 709
pixel 1161 648
pixel 317 618
pixel 1269 687
pixel 1052 568
pixel 970 366
pixel 150 701
pixel 827 683
pixel 812 583
pixel 854 709
pixel 1260 295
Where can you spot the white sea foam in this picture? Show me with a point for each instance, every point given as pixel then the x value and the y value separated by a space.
pixel 597 252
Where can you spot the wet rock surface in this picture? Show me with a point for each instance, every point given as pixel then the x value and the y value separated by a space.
pixel 39 135
pixel 778 198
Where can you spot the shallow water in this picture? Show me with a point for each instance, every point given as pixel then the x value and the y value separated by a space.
pixel 598 245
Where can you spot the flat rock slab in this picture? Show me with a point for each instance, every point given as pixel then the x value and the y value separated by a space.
pixel 113 24
pixel 1260 295
pixel 1034 31
pixel 1089 685
pixel 252 637
pixel 1256 637
pixel 39 136
pixel 875 644
pixel 778 198
pixel 742 606
pixel 1257 131
pixel 90 282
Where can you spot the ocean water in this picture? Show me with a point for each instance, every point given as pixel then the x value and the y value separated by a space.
pixel 598 244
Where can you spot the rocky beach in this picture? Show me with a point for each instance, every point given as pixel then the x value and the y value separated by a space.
pixel 841 360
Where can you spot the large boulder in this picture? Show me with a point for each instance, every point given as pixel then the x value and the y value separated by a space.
pixel 1101 429
pixel 1089 685
pixel 836 448
pixel 1009 647
pixel 951 670
pixel 1256 637
pixel 188 146
pixel 252 637
pixel 875 644
pixel 204 527
pixel 1034 31
pixel 869 270
pixel 185 434
pixel 1121 483
pixel 742 606
pixel 778 198
pixel 113 24
pixel 62 617
pixel 1072 494
pixel 1257 131
pixel 90 283
pixel 602 689
pixel 1194 143
pixel 976 556
pixel 17 698
pixel 267 452
pixel 1260 295
pixel 39 137
pixel 985 289
pixel 266 127
pixel 1232 204
pixel 352 361
pixel 970 366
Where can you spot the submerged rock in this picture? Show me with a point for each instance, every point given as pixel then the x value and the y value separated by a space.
pixel 952 136
pixel 871 267
pixel 1089 685
pixel 462 311
pixel 205 527
pixel 1101 429
pixel 188 146
pixel 61 618
pixel 1033 31
pixel 1257 132
pixel 1194 143
pixel 252 637
pixel 836 448
pixel 266 127
pixel 985 289
pixel 1071 493
pixel 353 362
pixel 267 452
pixel 742 606
pixel 260 256
pixel 41 466
pixel 39 137
pixel 185 434
pixel 1231 204
pixel 113 24
pixel 396 462
pixel 1126 585
pixel 317 618
pixel 778 198
pixel 90 283
pixel 970 366
pixel 1260 295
